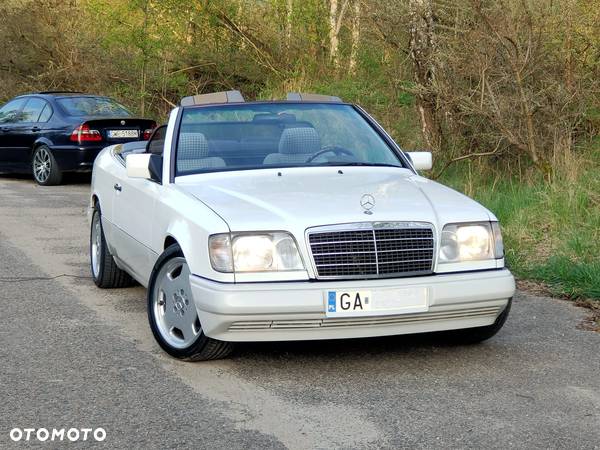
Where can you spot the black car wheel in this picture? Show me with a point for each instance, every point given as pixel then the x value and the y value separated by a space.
pixel 44 167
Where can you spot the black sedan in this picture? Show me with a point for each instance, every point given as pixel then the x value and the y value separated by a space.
pixel 49 133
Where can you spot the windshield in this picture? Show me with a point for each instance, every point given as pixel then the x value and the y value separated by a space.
pixel 256 136
pixel 92 106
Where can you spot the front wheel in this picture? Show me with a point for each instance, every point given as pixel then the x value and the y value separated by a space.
pixel 44 167
pixel 172 314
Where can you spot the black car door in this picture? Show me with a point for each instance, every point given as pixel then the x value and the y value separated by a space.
pixel 9 118
pixel 27 130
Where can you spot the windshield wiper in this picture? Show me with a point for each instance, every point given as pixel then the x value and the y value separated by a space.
pixel 333 163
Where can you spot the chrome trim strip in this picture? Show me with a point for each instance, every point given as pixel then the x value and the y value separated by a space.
pixel 378 251
pixel 376 255
pixel 339 322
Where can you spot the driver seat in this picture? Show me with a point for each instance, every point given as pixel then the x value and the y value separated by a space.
pixel 296 145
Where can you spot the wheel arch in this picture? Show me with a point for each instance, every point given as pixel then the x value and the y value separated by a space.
pixel 169 240
pixel 41 141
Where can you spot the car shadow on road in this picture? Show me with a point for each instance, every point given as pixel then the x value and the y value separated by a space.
pixel 349 347
pixel 68 178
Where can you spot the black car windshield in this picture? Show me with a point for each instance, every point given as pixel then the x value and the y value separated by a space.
pixel 92 106
pixel 263 135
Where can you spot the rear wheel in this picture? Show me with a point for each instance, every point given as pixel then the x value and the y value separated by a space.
pixel 105 272
pixel 172 314
pixel 44 167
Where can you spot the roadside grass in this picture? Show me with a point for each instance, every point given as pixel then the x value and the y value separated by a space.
pixel 551 229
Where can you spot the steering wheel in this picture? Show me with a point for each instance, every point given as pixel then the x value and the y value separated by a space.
pixel 338 151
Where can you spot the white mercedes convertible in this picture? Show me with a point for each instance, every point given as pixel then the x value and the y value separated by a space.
pixel 290 220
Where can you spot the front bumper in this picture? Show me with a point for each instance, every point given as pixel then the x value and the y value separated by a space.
pixel 291 311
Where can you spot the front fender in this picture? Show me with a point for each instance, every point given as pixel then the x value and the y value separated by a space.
pixel 190 222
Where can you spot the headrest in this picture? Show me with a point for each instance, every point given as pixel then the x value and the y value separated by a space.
pixel 302 140
pixel 192 146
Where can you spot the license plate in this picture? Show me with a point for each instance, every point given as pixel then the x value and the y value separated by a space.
pixel 376 303
pixel 123 134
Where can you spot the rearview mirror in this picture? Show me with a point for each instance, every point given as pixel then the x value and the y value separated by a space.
pixel 144 165
pixel 421 160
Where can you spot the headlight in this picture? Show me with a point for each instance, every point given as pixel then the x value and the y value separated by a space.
pixel 498 241
pixel 471 242
pixel 219 249
pixel 256 252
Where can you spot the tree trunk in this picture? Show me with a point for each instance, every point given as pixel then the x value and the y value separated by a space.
pixel 288 23
pixel 333 36
pixel 190 33
pixel 144 59
pixel 239 17
pixel 336 15
pixel 568 46
pixel 355 37
pixel 422 45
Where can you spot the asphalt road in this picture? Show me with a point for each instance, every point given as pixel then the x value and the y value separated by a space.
pixel 72 355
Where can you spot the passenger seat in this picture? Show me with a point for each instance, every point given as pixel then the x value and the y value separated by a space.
pixel 192 154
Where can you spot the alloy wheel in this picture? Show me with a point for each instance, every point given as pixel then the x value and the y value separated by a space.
pixel 172 305
pixel 42 165
pixel 96 242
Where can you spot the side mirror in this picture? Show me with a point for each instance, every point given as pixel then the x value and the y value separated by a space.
pixel 156 142
pixel 421 160
pixel 144 165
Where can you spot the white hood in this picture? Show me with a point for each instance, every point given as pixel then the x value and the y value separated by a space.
pixel 294 199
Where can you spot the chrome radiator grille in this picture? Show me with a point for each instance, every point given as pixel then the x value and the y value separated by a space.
pixel 371 250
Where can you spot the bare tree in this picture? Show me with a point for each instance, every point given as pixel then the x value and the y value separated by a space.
pixel 422 49
pixel 289 11
pixel 515 79
pixel 336 15
pixel 355 37
pixel 145 57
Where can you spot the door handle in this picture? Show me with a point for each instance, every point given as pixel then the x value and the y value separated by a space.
pixel 34 129
pixel 4 130
pixel 118 187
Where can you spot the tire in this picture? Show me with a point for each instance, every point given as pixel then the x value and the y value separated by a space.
pixel 172 314
pixel 44 168
pixel 105 272
pixel 480 334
